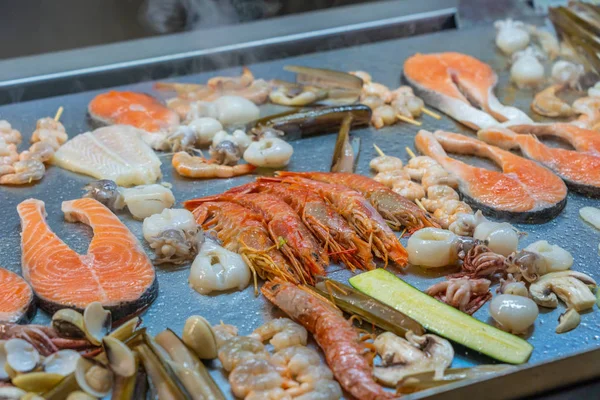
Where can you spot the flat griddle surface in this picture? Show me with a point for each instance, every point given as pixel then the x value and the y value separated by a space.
pixel 177 301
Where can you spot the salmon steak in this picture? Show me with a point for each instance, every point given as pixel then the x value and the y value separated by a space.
pixel 460 86
pixel 523 192
pixel 583 140
pixel 136 109
pixel 580 171
pixel 115 271
pixel 17 304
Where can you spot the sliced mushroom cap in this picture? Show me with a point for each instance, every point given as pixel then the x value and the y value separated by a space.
pixel 401 357
pixel 568 321
pixel 570 286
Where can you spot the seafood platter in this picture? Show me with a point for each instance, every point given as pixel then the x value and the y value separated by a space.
pixel 311 227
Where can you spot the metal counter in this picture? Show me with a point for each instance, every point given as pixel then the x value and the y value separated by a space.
pixel 384 61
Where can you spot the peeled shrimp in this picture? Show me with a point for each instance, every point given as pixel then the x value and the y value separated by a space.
pixel 417 166
pixel 269 153
pixel 383 115
pixel 51 131
pixel 365 76
pixel 437 175
pixel 281 333
pixel 216 269
pixel 449 212
pixel 385 163
pixel 174 235
pixel 8 153
pixel 10 135
pixel 224 332
pixel 372 102
pixel 254 375
pixel 292 361
pixel 239 348
pixel 238 137
pixel 24 172
pixel 197 167
pixel 406 103
pixel 232 83
pixel 390 178
pixel 465 224
pixel 377 89
pixel 547 103
pixel 409 189
pixel 41 151
pixel 437 195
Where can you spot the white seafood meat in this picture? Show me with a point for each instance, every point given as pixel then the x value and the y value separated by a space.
pixel 176 218
pixel 146 200
pixel 555 257
pixel 114 152
pixel 512 36
pixel 502 237
pixel 269 153
pixel 216 269
pixel 527 70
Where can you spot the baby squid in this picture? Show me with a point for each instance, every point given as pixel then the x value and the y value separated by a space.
pixel 502 238
pixel 217 269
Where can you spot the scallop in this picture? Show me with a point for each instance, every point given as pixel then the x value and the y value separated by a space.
pixel 21 356
pixel 98 322
pixel 63 362
pixel 69 323
pixel 198 335
pixel 93 378
pixel 514 314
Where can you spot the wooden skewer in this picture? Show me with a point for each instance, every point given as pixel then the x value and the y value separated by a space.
pixel 410 152
pixel 409 120
pixel 58 113
pixel 420 205
pixel 378 150
pixel 430 113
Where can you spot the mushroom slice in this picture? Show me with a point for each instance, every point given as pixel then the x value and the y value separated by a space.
pixel 568 321
pixel 98 322
pixel 401 357
pixel 570 286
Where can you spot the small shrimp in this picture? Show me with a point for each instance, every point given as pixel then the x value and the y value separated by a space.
pixel 385 163
pixel 372 102
pixel 281 333
pixel 254 374
pixel 42 151
pixel 24 172
pixel 467 295
pixel 408 105
pixel 548 104
pixel 450 210
pixel 344 352
pixel 8 153
pixel 269 394
pixel 377 89
pixel 382 116
pixel 402 91
pixel 239 348
pixel 365 76
pixel 409 189
pixel 224 332
pixel 436 175
pixel 390 178
pixel 197 167
pixel 465 224
pixel 417 166
pixel 50 131
pixel 437 195
pixel 292 361
pixel 10 135
pixel 232 83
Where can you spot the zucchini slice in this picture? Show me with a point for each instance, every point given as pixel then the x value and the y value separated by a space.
pixel 442 319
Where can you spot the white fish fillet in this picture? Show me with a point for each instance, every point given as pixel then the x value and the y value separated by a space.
pixel 115 152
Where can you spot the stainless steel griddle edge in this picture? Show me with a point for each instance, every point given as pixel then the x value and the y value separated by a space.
pixel 557 360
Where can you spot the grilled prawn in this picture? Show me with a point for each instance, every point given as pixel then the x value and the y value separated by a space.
pixel 336 236
pixel 361 216
pixel 395 209
pixel 241 230
pixel 344 352
pixel 286 229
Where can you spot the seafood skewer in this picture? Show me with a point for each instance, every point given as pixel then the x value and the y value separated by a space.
pixel 452 81
pixel 344 351
pixel 361 215
pixel 395 209
pixel 334 233
pixel 115 271
pixel 242 230
pixel 16 303
pixel 580 171
pixel 285 227
pixel 524 191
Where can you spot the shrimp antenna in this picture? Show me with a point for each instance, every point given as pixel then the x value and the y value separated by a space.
pixel 58 113
pixel 409 120
pixel 410 152
pixel 378 150
pixel 430 113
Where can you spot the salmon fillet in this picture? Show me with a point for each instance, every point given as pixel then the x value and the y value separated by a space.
pixel 16 302
pixel 523 191
pixel 115 271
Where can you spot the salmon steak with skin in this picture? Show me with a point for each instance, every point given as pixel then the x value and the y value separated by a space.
pixel 460 86
pixel 115 271
pixel 523 192
pixel 583 140
pixel 17 304
pixel 580 171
